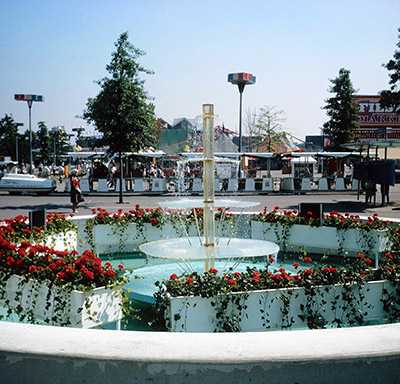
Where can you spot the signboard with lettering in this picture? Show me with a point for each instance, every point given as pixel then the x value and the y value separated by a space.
pixel 373 117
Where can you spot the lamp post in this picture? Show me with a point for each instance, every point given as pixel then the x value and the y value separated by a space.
pixel 29 99
pixel 16 142
pixel 241 80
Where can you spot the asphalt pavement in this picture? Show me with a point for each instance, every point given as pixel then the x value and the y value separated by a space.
pixel 59 201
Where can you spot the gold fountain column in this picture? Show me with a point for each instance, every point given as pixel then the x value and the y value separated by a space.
pixel 208 180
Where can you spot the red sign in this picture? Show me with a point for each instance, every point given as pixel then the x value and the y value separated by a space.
pixel 373 117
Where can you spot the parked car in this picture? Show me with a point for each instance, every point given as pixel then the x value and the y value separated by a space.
pixel 16 183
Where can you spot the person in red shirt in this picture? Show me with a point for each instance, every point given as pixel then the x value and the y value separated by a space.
pixel 76 193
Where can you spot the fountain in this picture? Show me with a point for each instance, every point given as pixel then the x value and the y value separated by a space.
pixel 208 248
pixel 348 355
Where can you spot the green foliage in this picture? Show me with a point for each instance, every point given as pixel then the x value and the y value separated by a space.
pixel 391 98
pixel 121 111
pixel 45 142
pixel 8 135
pixel 268 126
pixel 341 110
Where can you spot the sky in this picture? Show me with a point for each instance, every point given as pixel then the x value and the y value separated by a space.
pixel 59 48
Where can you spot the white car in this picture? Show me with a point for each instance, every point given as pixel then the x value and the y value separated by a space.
pixel 16 183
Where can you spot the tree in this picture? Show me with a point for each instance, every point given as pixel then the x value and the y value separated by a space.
pixel 391 99
pixel 8 136
pixel 24 146
pixel 269 126
pixel 121 111
pixel 45 143
pixel 341 110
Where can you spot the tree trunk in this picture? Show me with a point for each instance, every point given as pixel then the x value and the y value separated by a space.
pixel 121 178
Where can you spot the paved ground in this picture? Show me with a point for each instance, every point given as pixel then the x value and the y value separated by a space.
pixel 10 206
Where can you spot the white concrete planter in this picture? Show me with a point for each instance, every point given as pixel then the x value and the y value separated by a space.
pixel 265 309
pixel 109 238
pixel 35 300
pixel 126 239
pixel 321 239
pixel 62 241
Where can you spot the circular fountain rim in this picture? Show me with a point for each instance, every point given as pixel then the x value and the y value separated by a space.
pixel 199 203
pixel 183 248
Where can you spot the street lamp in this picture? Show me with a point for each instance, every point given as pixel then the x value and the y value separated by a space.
pixel 16 142
pixel 30 99
pixel 241 80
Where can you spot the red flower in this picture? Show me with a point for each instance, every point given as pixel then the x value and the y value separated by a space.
pixel 120 266
pixel 10 261
pixel 69 271
pixel 296 265
pixel 360 256
pixel 255 279
pixel 110 273
pixel 334 270
pixel 60 275
pixel 237 274
pixel 32 269
pixel 89 275
pixel 153 221
pixel 307 260
pixel 277 278
pixel 326 270
pixel 256 273
pixel 368 261
pixel 53 266
pixel 173 276
pixel 189 280
pixel 271 259
pixel 390 269
pixel 388 256
pixel 308 272
pixel 212 270
pixel 231 282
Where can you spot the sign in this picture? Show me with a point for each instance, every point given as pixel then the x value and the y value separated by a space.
pixel 373 118
pixel 245 78
pixel 29 97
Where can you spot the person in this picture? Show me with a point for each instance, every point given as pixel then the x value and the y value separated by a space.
pixel 385 193
pixel 112 169
pixel 76 193
pixel 368 185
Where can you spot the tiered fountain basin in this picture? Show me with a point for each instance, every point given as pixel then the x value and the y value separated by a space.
pixel 28 353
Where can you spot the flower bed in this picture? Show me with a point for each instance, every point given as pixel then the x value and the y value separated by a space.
pixel 123 232
pixel 276 309
pixel 322 239
pixel 314 297
pixel 52 304
pixel 59 287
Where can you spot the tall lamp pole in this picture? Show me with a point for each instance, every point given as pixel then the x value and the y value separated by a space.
pixel 241 80
pixel 16 142
pixel 30 99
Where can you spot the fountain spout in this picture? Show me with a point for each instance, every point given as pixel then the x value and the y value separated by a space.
pixel 208 179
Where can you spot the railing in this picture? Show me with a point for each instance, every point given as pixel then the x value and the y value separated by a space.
pixel 223 185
